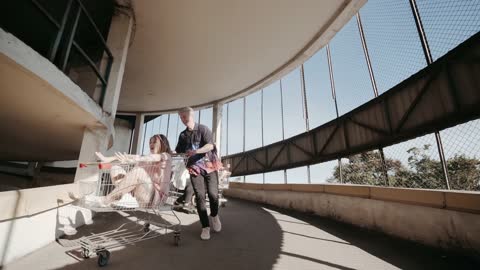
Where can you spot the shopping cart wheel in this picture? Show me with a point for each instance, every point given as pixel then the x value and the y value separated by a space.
pixel 103 257
pixel 146 227
pixel 85 253
pixel 176 239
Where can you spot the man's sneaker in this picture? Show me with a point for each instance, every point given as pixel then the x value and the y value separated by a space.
pixel 205 233
pixel 216 224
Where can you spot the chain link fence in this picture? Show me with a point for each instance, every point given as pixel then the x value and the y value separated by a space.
pixel 382 21
pixel 448 23
pixel 377 50
pixel 462 153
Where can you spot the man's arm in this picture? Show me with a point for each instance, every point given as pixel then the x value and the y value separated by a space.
pixel 205 149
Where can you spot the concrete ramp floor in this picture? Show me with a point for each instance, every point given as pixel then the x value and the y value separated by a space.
pixel 254 237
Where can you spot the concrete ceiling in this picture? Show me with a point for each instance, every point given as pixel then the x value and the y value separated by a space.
pixel 195 52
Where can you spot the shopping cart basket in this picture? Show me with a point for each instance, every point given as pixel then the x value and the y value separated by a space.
pixel 128 187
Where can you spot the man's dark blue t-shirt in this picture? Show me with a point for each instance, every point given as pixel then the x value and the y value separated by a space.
pixel 193 140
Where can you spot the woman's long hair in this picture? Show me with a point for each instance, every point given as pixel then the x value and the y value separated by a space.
pixel 164 144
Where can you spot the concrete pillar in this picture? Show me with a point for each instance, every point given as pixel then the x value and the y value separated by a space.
pixel 98 138
pixel 217 125
pixel 94 140
pixel 118 41
pixel 138 134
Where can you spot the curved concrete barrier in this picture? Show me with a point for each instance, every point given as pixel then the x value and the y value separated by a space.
pixel 439 218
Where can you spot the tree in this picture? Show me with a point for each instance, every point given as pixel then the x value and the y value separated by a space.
pixel 464 173
pixel 422 172
pixel 366 169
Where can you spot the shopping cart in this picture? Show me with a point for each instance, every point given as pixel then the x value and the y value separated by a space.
pixel 127 187
pixel 223 183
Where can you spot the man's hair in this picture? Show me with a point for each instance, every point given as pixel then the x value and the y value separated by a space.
pixel 186 109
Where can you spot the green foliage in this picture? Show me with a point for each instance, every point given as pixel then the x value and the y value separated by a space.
pixel 421 171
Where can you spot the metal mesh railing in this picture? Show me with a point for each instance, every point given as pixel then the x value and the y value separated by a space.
pixel 362 169
pixel 350 73
pixel 462 152
pixel 448 23
pixel 385 44
pixel 382 22
pixel 416 163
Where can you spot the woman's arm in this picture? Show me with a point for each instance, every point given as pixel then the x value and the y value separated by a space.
pixel 103 158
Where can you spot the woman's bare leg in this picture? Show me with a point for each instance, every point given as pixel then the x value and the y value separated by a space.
pixel 132 183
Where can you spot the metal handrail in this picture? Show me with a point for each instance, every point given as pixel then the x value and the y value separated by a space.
pixel 95 27
pixel 62 63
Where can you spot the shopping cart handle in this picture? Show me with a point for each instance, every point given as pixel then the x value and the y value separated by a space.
pixel 101 166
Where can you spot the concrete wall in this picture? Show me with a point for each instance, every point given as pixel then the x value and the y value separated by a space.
pixel 436 218
pixel 32 218
pixel 123 133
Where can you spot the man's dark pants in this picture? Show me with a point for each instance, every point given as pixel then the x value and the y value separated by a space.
pixel 206 184
pixel 187 195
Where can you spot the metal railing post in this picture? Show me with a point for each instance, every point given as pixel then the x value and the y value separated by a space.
pixel 334 96
pixel 244 122
pixel 261 119
pixel 56 43
pixel 244 126
pixel 374 87
pixel 305 111
pixel 226 135
pixel 71 36
pixel 429 60
pixel 283 126
pixel 168 123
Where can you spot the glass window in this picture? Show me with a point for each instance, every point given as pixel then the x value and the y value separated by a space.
pixel 272 113
pixel 294 120
pixel 350 72
pixel 174 128
pixel 206 117
pixel 223 140
pixel 148 132
pixel 197 116
pixel 253 124
pixel 162 124
pixel 392 40
pixel 235 127
pixel 321 108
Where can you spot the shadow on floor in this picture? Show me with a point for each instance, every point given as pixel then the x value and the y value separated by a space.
pixel 398 252
pixel 254 236
pixel 238 246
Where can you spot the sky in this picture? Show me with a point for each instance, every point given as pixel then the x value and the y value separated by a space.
pixel 395 53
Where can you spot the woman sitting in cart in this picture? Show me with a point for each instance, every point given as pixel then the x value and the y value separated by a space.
pixel 149 179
